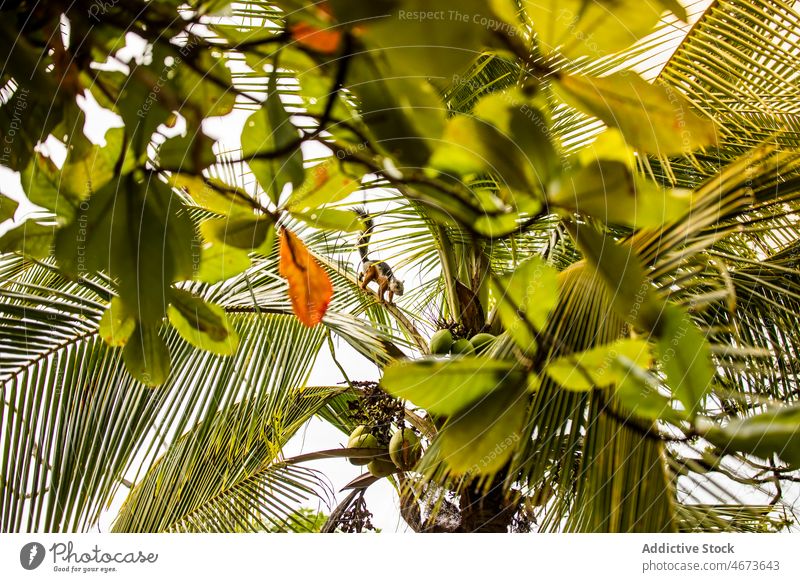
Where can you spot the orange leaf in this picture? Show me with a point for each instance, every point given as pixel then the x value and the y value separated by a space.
pixel 322 41
pixel 310 289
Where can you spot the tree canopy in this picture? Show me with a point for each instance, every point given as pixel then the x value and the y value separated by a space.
pixel 594 204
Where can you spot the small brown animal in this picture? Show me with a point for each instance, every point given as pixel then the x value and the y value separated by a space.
pixel 378 271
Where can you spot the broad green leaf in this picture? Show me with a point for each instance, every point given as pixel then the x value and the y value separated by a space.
pixel 325 183
pixel 202 324
pixel 191 153
pixel 268 130
pixel 139 233
pixel 685 357
pixel 497 225
pixel 432 38
pixel 591 27
pixel 636 392
pixel 117 323
pixel 240 231
pixel 144 100
pixel 92 167
pixel 87 168
pixel 331 219
pixel 675 7
pixel 146 356
pixel 29 238
pixel 447 386
pixel 776 431
pixel 525 298
pixel 219 262
pixel 213 194
pixel 7 208
pixel 209 90
pixel 654 118
pixel 406 114
pixel 480 438
pixel 505 136
pixel 524 122
pixel 623 275
pixel 596 368
pixel 611 192
pixel 610 145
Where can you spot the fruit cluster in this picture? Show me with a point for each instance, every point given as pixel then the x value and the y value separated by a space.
pixel 404 450
pixel 443 343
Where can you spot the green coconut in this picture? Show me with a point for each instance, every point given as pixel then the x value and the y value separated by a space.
pixel 381 468
pixel 481 341
pixel 357 431
pixel 441 342
pixel 405 449
pixel 362 441
pixel 462 347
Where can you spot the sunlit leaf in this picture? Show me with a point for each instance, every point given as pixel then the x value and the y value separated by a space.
pixel 29 238
pixel 524 300
pixel 654 118
pixel 219 262
pixel 240 231
pixel 325 183
pixel 447 386
pixel 596 368
pixel 331 219
pixel 117 323
pixel 589 27
pixel 481 438
pixel 611 192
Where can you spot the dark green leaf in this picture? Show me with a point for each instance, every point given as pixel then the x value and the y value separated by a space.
pixel 190 154
pixel 202 324
pixel 146 356
pixel 138 232
pixel 7 208
pixel 776 431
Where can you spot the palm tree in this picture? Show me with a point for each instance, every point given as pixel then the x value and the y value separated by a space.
pixel 680 440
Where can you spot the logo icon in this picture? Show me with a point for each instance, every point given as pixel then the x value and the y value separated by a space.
pixel 31 555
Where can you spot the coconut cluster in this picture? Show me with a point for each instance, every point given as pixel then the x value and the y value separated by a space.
pixel 443 343
pixel 404 450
